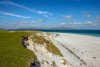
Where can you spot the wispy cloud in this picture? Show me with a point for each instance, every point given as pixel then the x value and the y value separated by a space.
pixel 63 23
pixel 68 17
pixel 86 14
pixel 43 13
pixel 40 20
pixel 11 14
pixel 78 23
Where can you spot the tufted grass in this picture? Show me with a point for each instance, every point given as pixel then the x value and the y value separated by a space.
pixel 39 39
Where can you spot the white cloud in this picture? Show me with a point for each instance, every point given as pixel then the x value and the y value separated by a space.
pixel 43 13
pixel 75 23
pixel 72 23
pixel 79 23
pixel 68 17
pixel 83 23
pixel 94 23
pixel 40 20
pixel 63 23
pixel 15 15
pixel 86 14
pixel 89 22
pixel 86 23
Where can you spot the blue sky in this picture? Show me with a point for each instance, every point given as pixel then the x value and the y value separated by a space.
pixel 78 14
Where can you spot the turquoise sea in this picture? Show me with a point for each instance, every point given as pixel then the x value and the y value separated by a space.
pixel 83 32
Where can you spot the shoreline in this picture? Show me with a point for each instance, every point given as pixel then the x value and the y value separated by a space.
pixel 81 33
pixel 78 50
pixel 87 48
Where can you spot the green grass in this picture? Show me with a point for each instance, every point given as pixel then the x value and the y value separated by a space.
pixel 54 64
pixel 12 54
pixel 39 39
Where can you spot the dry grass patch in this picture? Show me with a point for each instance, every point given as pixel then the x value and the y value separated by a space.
pixel 39 39
pixel 64 62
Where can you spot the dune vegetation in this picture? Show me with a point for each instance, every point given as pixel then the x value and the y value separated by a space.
pixel 41 40
pixel 12 54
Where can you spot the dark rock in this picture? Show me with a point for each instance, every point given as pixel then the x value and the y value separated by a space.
pixel 35 64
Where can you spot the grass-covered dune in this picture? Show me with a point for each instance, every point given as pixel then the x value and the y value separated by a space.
pixel 40 39
pixel 12 54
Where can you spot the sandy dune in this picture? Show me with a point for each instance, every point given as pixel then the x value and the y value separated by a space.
pixel 46 58
pixel 78 50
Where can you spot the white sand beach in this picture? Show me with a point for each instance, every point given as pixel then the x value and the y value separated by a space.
pixel 78 50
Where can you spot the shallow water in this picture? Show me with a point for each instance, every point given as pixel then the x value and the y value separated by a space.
pixel 83 32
